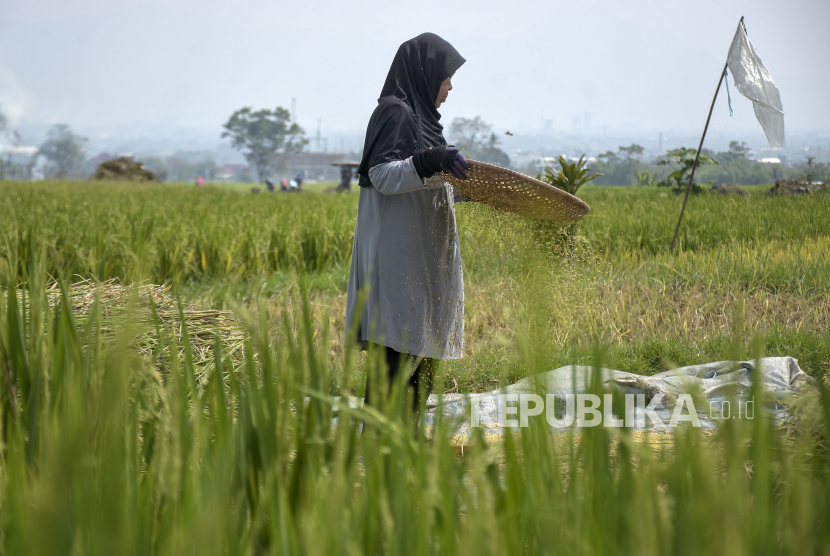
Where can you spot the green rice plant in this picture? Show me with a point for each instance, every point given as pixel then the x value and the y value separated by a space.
pixel 164 446
pixel 172 234
pixel 228 250
pixel 106 450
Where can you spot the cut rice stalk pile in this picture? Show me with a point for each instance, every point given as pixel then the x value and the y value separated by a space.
pixel 124 169
pixel 203 326
pixel 797 187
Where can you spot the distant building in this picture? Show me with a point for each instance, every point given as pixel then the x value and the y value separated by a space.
pixel 576 125
pixel 312 166
pixel 18 154
pixel 232 172
pixel 770 161
pixel 587 122
pixel 16 161
pixel 27 151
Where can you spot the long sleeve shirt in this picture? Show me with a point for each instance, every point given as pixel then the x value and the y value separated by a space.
pixel 407 259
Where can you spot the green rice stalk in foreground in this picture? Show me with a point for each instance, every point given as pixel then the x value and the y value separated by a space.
pixel 107 451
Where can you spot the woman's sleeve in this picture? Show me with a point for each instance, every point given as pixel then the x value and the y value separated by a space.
pixel 396 176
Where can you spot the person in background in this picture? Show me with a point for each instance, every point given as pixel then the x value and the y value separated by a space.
pixel 200 181
pixel 283 184
pixel 299 179
pixel 293 185
pixel 406 256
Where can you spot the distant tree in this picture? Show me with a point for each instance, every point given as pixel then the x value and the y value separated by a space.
pixel 737 151
pixel 469 134
pixel 632 152
pixel 264 133
pixel 491 153
pixel 683 160
pixel 644 177
pixel 476 138
pixel 158 166
pixel 621 168
pixel 738 172
pixel 64 149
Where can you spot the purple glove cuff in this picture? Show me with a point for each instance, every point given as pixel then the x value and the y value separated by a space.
pixel 459 164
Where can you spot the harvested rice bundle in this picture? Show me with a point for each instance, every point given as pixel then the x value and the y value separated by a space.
pixel 154 311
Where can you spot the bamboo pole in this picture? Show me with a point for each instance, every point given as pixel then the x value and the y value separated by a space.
pixel 697 156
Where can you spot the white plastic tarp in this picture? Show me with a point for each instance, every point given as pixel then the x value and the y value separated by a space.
pixel 720 383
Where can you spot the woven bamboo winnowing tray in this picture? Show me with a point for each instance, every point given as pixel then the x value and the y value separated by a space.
pixel 514 192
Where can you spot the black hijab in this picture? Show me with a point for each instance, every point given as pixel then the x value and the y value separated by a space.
pixel 406 119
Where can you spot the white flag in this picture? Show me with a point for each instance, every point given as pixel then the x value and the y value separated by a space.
pixel 752 79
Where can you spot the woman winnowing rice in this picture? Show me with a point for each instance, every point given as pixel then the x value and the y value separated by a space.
pixel 406 256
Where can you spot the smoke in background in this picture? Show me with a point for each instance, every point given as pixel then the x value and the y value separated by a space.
pixel 14 100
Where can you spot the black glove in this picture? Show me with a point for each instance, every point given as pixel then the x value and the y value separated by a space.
pixel 436 159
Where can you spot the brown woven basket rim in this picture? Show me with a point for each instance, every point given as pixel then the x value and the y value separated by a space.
pixel 538 183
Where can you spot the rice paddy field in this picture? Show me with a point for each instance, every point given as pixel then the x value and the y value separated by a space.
pixel 158 342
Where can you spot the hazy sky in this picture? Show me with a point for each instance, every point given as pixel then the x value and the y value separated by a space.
pixel 182 63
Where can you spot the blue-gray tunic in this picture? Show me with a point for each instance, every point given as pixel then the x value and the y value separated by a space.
pixel 406 256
